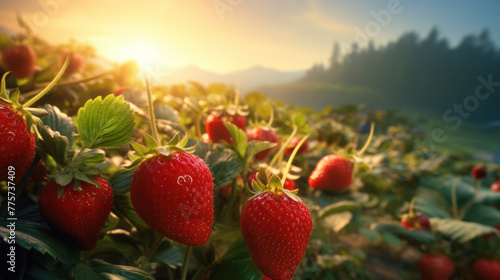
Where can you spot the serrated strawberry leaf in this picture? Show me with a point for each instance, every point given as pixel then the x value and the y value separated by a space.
pixel 105 123
pixel 121 180
pixel 482 214
pixel 460 231
pixel 171 256
pixel 54 144
pixel 60 122
pixel 224 166
pixel 239 139
pixel 33 233
pixel 337 208
pixel 127 272
pixel 92 157
pixel 255 146
pixel 396 229
pixel 235 264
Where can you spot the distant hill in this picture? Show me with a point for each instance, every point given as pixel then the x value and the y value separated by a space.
pixel 425 75
pixel 247 79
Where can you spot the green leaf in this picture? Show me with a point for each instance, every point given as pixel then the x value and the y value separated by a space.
pixel 485 215
pixel 224 166
pixel 338 221
pixel 488 197
pixel 117 242
pixel 123 205
pixel 371 235
pixel 236 264
pixel 391 239
pixel 105 124
pixel 338 207
pixel 60 122
pixel 121 180
pixel 54 144
pixel 256 146
pixel 460 231
pixel 39 236
pixel 93 157
pixel 464 191
pixel 171 256
pixel 430 208
pixel 83 272
pixel 239 139
pixel 396 229
pixel 122 271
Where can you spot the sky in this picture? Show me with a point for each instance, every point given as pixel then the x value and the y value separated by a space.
pixel 228 35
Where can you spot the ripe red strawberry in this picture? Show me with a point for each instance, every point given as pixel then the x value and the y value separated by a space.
pixel 20 60
pixel 485 269
pixel 332 173
pixel 174 195
pixel 75 64
pixel 216 129
pixel 479 172
pixel 276 229
pixel 417 222
pixel 290 185
pixel 263 134
pixel 435 267
pixel 17 143
pixel 495 187
pixel 303 148
pixel 81 214
pixel 266 278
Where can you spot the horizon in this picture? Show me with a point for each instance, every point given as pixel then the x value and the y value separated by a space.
pixel 228 36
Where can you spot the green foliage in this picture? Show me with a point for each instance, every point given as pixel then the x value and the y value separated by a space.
pixel 60 122
pixel 236 264
pixel 460 231
pixel 105 124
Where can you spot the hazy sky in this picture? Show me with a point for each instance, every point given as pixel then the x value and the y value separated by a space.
pixel 226 35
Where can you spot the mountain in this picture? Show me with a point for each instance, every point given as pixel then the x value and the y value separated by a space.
pixel 246 79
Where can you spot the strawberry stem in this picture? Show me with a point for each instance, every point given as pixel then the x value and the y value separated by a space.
pixel 454 199
pixel 152 120
pixel 278 157
pixel 153 247
pixel 50 85
pixel 289 163
pixel 79 81
pixel 367 143
pixel 412 207
pixel 271 118
pixel 186 262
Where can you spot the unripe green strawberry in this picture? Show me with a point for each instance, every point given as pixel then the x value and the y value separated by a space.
pixel 17 143
pixel 332 173
pixel 174 195
pixel 435 267
pixel 80 214
pixel 20 60
pixel 277 230
pixel 485 269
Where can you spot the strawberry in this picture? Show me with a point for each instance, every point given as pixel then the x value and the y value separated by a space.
pixel 276 226
pixel 266 278
pixel 263 134
pixel 290 185
pixel 416 222
pixel 332 173
pixel 20 60
pixel 435 267
pixel 495 187
pixel 75 64
pixel 80 213
pixel 485 269
pixel 17 143
pixel 479 172
pixel 173 194
pixel 216 129
pixel 303 149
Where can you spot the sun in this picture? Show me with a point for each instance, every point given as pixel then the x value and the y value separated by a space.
pixel 141 51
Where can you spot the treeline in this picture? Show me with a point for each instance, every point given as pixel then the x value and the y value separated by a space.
pixel 411 73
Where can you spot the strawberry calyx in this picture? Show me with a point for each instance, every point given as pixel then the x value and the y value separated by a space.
pixel 268 182
pixel 151 147
pixel 229 108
